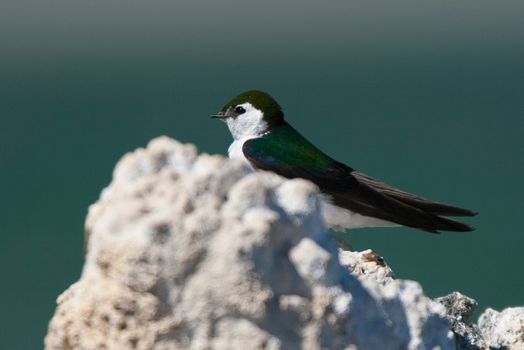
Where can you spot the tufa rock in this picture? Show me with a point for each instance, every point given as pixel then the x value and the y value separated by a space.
pixel 366 265
pixel 460 310
pixel 189 251
pixel 503 330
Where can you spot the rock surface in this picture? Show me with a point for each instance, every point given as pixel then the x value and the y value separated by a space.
pixel 196 252
pixel 460 310
pixel 503 330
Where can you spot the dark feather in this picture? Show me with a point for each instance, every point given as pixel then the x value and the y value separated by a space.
pixel 366 201
pixel 411 199
pixel 287 153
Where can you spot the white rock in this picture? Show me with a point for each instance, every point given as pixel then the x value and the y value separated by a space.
pixel 503 330
pixel 366 265
pixel 196 252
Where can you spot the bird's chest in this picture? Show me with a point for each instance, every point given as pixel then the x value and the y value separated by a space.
pixel 235 150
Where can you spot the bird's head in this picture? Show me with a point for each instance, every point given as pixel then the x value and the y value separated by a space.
pixel 251 114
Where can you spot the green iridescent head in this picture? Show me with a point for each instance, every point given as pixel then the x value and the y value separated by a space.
pixel 260 100
pixel 251 112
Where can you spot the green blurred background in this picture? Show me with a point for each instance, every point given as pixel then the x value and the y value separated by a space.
pixel 428 96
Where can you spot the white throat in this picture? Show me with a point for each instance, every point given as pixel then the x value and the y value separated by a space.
pixel 246 126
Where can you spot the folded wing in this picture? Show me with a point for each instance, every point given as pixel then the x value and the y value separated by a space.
pixel 411 199
pixel 287 153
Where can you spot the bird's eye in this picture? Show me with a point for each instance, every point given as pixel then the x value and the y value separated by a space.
pixel 240 110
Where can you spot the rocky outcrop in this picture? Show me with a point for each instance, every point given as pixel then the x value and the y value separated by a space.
pixel 189 251
pixel 503 330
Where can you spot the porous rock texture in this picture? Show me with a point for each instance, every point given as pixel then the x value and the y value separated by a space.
pixel 189 251
pixel 503 330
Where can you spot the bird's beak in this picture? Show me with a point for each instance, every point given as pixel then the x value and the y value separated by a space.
pixel 219 115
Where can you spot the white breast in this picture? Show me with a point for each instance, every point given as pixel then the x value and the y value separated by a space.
pixel 235 149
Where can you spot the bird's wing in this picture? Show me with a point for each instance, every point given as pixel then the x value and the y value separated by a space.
pixel 412 199
pixel 287 153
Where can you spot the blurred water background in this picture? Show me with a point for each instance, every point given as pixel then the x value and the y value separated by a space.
pixel 428 96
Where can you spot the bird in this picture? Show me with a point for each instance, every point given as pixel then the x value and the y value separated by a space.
pixel 349 199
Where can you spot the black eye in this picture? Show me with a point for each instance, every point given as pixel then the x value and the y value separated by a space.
pixel 239 110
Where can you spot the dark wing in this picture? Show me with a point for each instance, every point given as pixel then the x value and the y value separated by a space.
pixel 287 153
pixel 411 199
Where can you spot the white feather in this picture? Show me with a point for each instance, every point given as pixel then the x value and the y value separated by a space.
pixel 235 150
pixel 339 219
pixel 251 123
pixel 246 126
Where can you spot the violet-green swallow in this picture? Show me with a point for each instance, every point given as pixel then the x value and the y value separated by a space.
pixel 350 199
